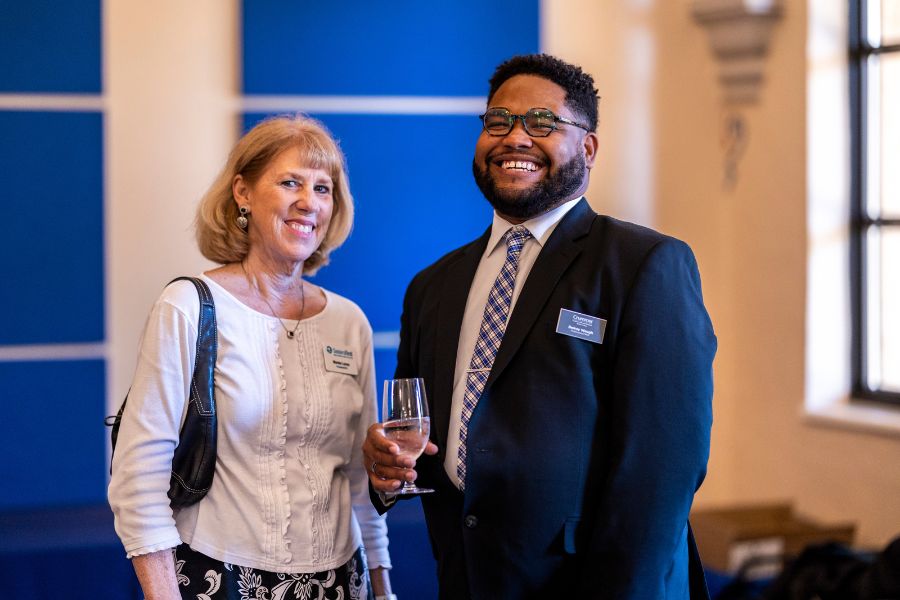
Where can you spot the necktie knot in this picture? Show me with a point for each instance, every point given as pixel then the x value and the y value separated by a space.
pixel 516 237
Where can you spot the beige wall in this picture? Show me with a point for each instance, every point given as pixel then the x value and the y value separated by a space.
pixel 171 88
pixel 751 244
pixel 170 79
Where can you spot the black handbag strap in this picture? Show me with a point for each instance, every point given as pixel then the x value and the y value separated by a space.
pixel 202 389
pixel 202 392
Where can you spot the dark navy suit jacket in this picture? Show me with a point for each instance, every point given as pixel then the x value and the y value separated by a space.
pixel 583 458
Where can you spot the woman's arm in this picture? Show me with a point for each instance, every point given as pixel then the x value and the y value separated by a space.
pixel 156 573
pixel 381 582
pixel 372 525
pixel 142 463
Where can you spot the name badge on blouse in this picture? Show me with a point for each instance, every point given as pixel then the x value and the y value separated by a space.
pixel 581 326
pixel 339 360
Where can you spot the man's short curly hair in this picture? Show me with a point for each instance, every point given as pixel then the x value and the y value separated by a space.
pixel 581 95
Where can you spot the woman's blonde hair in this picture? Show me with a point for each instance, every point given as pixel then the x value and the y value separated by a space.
pixel 218 235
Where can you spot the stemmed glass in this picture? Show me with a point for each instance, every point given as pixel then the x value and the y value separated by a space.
pixel 406 422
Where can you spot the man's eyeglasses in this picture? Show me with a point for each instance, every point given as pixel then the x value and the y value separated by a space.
pixel 538 122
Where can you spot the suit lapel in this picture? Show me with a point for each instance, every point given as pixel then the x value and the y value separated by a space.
pixel 556 256
pixel 452 305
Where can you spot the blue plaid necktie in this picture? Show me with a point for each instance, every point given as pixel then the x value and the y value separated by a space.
pixel 493 324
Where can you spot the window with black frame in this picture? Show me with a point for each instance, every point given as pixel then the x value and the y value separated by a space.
pixel 875 118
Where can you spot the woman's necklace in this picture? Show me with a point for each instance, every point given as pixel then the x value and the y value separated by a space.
pixel 290 332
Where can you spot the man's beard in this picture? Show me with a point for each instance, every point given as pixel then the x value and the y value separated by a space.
pixel 541 197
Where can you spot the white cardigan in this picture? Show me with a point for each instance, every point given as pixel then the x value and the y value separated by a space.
pixel 290 429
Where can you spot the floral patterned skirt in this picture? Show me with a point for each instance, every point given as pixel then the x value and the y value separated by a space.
pixel 203 578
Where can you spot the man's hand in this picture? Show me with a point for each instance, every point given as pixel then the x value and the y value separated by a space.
pixel 387 469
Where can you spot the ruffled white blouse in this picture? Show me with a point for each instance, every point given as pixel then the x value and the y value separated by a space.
pixel 290 492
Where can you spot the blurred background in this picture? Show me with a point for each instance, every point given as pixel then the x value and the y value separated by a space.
pixel 780 171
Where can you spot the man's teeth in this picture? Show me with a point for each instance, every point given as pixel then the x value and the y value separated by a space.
pixel 523 165
pixel 301 227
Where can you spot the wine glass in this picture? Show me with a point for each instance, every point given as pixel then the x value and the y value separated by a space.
pixel 406 422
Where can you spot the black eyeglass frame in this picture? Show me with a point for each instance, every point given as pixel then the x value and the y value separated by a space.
pixel 511 121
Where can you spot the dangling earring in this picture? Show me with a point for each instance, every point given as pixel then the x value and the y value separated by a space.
pixel 242 219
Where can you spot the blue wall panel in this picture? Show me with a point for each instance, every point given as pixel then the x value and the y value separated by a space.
pixel 51 165
pixel 416 199
pixel 385 364
pixel 405 47
pixel 52 437
pixel 50 46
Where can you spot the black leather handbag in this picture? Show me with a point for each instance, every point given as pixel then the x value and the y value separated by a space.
pixel 194 462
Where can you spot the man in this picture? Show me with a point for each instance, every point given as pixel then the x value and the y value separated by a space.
pixel 567 358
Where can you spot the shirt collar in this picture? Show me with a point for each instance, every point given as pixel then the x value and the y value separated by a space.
pixel 540 226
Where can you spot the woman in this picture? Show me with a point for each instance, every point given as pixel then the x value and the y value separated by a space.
pixel 288 509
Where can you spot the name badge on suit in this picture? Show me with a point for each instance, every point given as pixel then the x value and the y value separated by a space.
pixel 581 326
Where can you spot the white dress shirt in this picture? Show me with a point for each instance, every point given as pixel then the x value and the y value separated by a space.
pixel 491 262
pixel 290 492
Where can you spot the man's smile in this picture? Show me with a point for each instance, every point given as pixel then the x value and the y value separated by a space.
pixel 520 165
pixel 516 165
